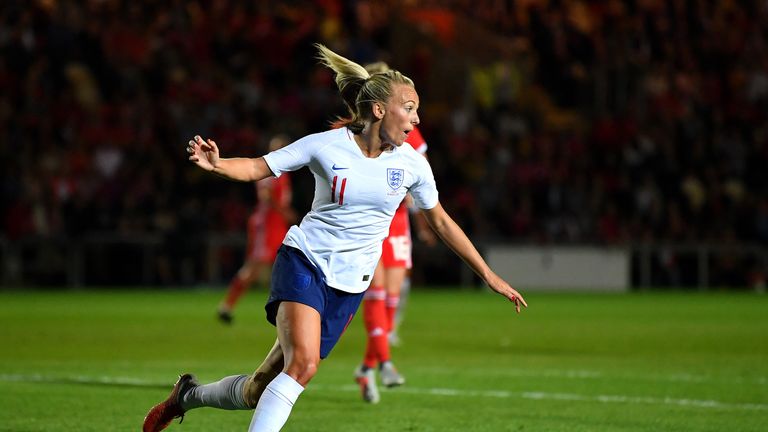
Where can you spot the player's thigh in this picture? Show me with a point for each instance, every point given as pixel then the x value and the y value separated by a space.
pixel 393 279
pixel 378 275
pixel 298 330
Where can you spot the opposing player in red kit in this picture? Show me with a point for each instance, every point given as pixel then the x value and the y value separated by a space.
pixel 267 226
pixel 382 299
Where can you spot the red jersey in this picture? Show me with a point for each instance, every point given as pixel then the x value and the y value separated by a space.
pixel 417 141
pixel 267 225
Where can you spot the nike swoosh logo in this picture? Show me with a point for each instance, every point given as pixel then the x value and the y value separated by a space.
pixel 335 168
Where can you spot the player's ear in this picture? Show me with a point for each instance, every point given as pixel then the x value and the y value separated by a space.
pixel 378 110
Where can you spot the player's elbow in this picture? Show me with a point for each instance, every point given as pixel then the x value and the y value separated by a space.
pixel 439 220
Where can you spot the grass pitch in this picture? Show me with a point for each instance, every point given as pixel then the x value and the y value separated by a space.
pixel 98 360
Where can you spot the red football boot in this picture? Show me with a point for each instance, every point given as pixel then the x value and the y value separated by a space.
pixel 161 415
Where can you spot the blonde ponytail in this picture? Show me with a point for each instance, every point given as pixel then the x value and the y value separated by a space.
pixel 358 88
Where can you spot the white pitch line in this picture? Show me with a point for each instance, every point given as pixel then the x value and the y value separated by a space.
pixel 579 374
pixel 449 392
pixel 637 400
pixel 81 379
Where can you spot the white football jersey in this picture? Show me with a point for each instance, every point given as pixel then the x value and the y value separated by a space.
pixel 355 200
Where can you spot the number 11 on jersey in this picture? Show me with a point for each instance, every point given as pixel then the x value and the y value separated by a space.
pixel 341 191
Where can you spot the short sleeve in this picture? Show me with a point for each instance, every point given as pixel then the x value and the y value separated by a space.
pixel 291 157
pixel 424 190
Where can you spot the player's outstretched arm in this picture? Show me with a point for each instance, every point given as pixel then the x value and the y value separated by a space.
pixel 453 236
pixel 205 154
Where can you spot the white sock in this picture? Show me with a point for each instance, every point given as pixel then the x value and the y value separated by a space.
pixel 275 404
pixel 405 290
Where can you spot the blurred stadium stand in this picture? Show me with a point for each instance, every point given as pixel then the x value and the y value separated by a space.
pixel 634 124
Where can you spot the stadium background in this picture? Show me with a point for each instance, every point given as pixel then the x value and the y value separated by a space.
pixel 619 123
pixel 636 126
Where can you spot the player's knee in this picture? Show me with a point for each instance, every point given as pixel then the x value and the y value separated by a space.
pixel 303 368
pixel 255 386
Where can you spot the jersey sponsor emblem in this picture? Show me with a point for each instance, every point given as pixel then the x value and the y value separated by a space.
pixel 395 177
pixel 336 168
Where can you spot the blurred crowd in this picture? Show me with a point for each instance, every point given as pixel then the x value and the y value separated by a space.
pixel 611 122
pixel 618 121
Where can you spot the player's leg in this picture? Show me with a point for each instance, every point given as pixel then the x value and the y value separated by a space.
pixel 310 319
pixel 377 347
pixel 399 314
pixel 235 392
pixel 272 365
pixel 238 391
pixel 257 251
pixel 298 330
pixel 393 280
pixel 397 261
pixel 375 320
pixel 245 276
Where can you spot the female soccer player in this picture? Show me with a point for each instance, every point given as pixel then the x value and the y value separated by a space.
pixel 267 226
pixel 362 173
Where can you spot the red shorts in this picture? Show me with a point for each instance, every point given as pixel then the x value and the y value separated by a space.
pixel 396 250
pixel 266 231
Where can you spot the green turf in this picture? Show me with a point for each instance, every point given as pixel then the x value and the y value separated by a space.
pixel 97 360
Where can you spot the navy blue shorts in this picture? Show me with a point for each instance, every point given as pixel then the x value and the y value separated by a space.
pixel 296 279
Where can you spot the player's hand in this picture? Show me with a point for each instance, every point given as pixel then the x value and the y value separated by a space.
pixel 502 287
pixel 204 154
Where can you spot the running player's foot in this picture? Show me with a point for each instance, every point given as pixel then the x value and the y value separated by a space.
pixel 367 381
pixel 389 375
pixel 161 415
pixel 225 316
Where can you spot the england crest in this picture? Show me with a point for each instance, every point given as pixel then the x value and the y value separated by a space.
pixel 395 177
